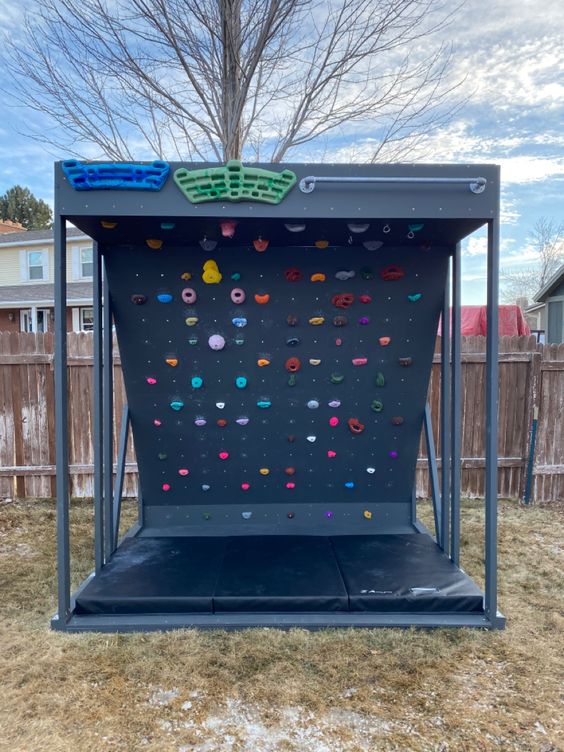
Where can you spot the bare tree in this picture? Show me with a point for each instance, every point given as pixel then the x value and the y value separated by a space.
pixel 546 240
pixel 224 79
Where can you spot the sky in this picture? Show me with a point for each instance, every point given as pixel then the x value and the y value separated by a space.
pixel 512 55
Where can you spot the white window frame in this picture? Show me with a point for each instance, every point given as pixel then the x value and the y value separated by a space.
pixel 77 262
pixel 89 328
pixel 27 314
pixel 25 257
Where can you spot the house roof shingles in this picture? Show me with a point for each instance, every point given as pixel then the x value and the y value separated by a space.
pixel 10 238
pixel 80 292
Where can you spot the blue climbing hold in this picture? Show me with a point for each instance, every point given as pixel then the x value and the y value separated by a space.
pixel 164 297
pixel 240 382
pixel 167 225
pixel 116 176
pixel 239 322
pixel 264 403
pixel 349 484
pixel 197 382
pixel 415 297
pixel 415 227
pixel 177 405
pixel 235 276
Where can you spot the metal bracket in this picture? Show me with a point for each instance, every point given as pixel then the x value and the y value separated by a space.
pixel 476 185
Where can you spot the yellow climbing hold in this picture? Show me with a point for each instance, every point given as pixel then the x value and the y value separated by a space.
pixel 185 276
pixel 367 514
pixel 211 275
pixel 154 243
pixel 318 277
pixel 321 243
pixel 191 321
pixel 264 471
pixel 172 362
pixel 107 225
pixel 210 264
pixel 317 320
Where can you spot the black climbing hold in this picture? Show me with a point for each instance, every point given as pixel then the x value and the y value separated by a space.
pixel 366 273
pixel 293 341
pixel 397 420
pixel 377 406
pixel 340 321
pixel 138 299
pixel 405 362
pixel 292 320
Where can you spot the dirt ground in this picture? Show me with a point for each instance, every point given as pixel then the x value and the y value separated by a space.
pixel 272 691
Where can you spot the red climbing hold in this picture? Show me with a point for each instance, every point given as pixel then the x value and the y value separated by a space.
pixel 293 274
pixel 222 423
pixel 365 299
pixel 392 273
pixel 355 425
pixel 290 471
pixel 260 245
pixel 293 365
pixel 343 300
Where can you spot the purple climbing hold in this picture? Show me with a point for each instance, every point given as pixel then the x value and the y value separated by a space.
pixel 393 454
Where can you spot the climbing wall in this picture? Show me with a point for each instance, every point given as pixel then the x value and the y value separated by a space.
pixel 276 391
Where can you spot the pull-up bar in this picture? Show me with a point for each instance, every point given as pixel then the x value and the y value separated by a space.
pixel 476 185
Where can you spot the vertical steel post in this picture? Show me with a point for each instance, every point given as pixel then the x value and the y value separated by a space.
pixel 432 465
pixel 492 369
pixel 444 541
pixel 61 419
pixel 456 413
pixel 108 416
pixel 97 412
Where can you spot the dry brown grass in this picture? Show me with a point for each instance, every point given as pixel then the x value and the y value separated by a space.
pixel 270 691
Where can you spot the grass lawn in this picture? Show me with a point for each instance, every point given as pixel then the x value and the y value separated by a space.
pixel 270 691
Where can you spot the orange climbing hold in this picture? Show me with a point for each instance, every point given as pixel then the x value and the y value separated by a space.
pixel 154 243
pixel 321 243
pixel 107 225
pixel 261 362
pixel 172 362
pixel 318 277
pixel 262 299
pixel 293 365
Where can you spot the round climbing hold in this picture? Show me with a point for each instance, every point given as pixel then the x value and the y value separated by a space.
pixel 262 299
pixel 331 454
pixel 322 244
pixel 186 276
pixel 191 320
pixel 329 515
pixel 317 320
pixel 238 295
pixel 264 471
pixel 311 439
pixel 164 297
pixel 290 515
pixel 235 276
pixel 292 379
pixel 380 379
pixel 264 404
pixel 108 224
pixel 372 245
pixel 367 514
pixel 223 455
pixel 313 404
pixel 340 321
pixel 393 454
pixel 338 342
pixel 262 362
pixel 290 485
pixel 333 421
pixel 166 486
pixel 392 273
pixel 138 299
pixel 216 342
pixel 172 362
pixel 293 365
pixel 167 225
pixel 239 322
pixel 359 361
pixel 189 295
pixel 200 422
pixel 151 380
pixel 366 273
pixel 384 341
pixel 192 340
pixel 344 275
pixel 314 361
pixel 365 299
pixel 397 420
pixel 162 455
pixel 349 484
pixel 177 405
pixel 405 362
pixel 355 425
pixel 334 403
pixel 241 382
pixel 197 382
pixel 293 274
pixel 242 421
pixel 290 470
pixel 183 471
pixel 377 406
pixel 364 320
pixel 154 243
pixel 371 470
pixel 343 300
pixel 245 487
pixel 415 297
pixel 261 245
pixel 317 277
pixel 292 320
pixel 293 341
pixel 336 378
pixel 157 422
pixel 221 422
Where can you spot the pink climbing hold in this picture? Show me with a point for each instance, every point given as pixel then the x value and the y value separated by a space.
pixel 334 421
pixel 223 455
pixel 183 471
pixel 360 361
pixel 338 341
pixel 290 484
pixel 166 486
pixel 245 486
pixel 157 422
pixel 331 454
pixel 151 380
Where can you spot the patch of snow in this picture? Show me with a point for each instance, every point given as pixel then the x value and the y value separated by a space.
pixel 162 697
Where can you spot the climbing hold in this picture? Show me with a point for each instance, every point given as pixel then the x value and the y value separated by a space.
pixel 138 299
pixel 228 227
pixel 293 365
pixel 290 515
pixel 210 264
pixel 372 245
pixel 290 470
pixel 392 273
pixel 377 406
pixel 359 361
pixel 167 225
pixel 162 455
pixel 191 320
pixel 245 487
pixel 393 454
pixel 164 297
pixel 364 320
pixel 108 225
pixel 386 229
pixel 197 382
pixel 335 403
pixel 216 342
pixel 293 274
pixel 183 471
pixel 166 486
pixel 355 425
pixel 317 320
pixel 212 276
pixel 336 378
pixel 343 275
pixel 241 382
pixel 415 297
pixel 331 454
pixel 349 484
pixel 333 421
pixel 415 227
pixel 329 515
pixel 151 380
pixel 358 227
pixel 371 470
pixel 340 321
pixel 239 322
pixel 223 455
pixel 291 439
pixel 121 176
pixel 290 485
pixel 292 320
pixel 384 341
pixel 200 422
pixel 262 362
pixel 367 515
pixel 322 244
pixel 246 515
pixel 343 300
pixel 317 277
pixel 239 340
pixel 264 471
pixel 380 379
pixel 338 342
pixel 221 422
pixel 173 362
pixel 192 340
pixel 177 405
pixel 206 515
pixel 186 276
pixel 260 245
pixel 311 439
pixel 397 420
pixel 220 405
pixel 292 380
pixel 157 422
pixel 264 404
pixel 235 276
pixel 295 227
pixel 154 243
pixel 208 245
pixel 293 341
pixel 313 404
pixel 314 361
pixel 366 273
pixel 237 295
pixel 242 421
pixel 189 296
pixel 262 299
pixel 405 362
pixel 365 299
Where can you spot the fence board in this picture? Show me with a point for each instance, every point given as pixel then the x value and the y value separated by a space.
pixel 530 375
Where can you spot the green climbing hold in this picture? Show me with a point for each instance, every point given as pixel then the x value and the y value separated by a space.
pixel 206 515
pixel 366 273
pixel 167 225
pixel 235 276
pixel 292 379
pixel 415 227
pixel 162 455
pixel 415 297
pixel 337 378
pixel 234 182
pixel 239 341
pixel 380 380
pixel 377 406
pixel 193 340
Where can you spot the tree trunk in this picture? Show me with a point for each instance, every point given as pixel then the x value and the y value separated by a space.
pixel 231 77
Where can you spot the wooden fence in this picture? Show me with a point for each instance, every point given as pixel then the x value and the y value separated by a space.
pixel 530 375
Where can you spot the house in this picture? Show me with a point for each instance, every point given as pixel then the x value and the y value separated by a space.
pixel 550 307
pixel 27 279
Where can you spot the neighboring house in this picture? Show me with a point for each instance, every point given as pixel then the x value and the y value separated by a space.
pixel 551 297
pixel 26 279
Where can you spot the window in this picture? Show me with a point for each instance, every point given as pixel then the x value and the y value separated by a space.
pixel 86 265
pixel 41 323
pixel 35 267
pixel 86 319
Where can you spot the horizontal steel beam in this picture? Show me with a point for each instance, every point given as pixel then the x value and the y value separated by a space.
pixel 476 185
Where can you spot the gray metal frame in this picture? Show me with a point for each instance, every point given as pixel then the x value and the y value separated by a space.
pixel 446 495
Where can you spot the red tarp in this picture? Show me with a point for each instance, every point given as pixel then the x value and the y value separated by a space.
pixel 473 321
